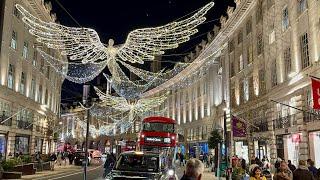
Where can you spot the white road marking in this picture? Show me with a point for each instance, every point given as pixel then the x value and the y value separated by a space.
pixel 59 177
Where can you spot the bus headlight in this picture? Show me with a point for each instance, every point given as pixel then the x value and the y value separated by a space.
pixel 166 140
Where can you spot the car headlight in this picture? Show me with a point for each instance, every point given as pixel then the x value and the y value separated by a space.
pixel 170 172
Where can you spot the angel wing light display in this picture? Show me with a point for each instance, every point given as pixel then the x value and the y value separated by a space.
pixel 83 44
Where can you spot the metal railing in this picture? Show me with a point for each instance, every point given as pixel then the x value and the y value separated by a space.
pixel 284 122
pixel 8 122
pixel 311 117
pixel 262 125
pixel 24 125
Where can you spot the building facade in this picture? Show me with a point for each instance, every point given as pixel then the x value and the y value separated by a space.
pixel 267 50
pixel 30 89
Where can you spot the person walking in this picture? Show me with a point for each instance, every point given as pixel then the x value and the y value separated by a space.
pixel 39 160
pixel 312 169
pixel 59 159
pixel 108 165
pixel 284 172
pixel 181 159
pixel 291 166
pixel 302 173
pixel 70 157
pixel 53 158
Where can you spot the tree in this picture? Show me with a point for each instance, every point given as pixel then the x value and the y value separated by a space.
pixel 214 139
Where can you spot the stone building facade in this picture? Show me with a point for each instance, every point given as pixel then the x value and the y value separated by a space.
pixel 266 50
pixel 30 89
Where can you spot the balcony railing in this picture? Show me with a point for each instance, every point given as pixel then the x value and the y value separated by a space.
pixel 311 117
pixel 7 122
pixel 263 126
pixel 24 125
pixel 284 122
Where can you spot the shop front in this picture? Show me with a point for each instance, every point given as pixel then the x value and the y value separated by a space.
pixel 314 146
pixel 242 150
pixel 22 144
pixel 262 149
pixel 291 147
pixel 3 145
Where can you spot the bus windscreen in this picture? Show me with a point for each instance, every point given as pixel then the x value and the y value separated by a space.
pixel 158 127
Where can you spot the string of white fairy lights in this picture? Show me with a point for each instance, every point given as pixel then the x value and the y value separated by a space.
pixel 83 44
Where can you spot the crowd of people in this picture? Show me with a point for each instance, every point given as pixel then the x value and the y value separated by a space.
pixel 262 169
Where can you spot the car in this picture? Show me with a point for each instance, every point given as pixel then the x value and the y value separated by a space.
pixel 79 158
pixel 139 165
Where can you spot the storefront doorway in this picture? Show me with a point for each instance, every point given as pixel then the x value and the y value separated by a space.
pixel 242 150
pixel 314 144
pixel 3 146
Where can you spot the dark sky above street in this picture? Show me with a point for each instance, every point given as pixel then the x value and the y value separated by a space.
pixel 115 19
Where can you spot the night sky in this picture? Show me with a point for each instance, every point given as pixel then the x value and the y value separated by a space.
pixel 115 19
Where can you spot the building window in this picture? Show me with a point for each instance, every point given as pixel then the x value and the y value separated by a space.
pixel 249 26
pixel 16 12
pixel 304 50
pixel 287 60
pixel 231 46
pixel 21 145
pixel 259 13
pixel 285 18
pixel 240 37
pixel 250 54
pixel 40 94
pixel 42 65
pixel 251 88
pixel 48 72
pixel 46 98
pixel 35 56
pixel 246 89
pixel 11 76
pixel 22 83
pixel 33 88
pixel 13 43
pixel 272 37
pixel 231 69
pixel 233 97
pixel 241 89
pixel 241 64
pixel 274 80
pixel 302 6
pixel 25 50
pixel 259 44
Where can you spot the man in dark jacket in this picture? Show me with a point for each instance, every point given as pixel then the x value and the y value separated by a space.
pixel 108 165
pixel 291 166
pixel 302 173
pixel 194 170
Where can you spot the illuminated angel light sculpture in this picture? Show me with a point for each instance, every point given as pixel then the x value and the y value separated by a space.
pixel 121 104
pixel 83 44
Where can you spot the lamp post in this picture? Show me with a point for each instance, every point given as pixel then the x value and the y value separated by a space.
pixel 226 140
pixel 85 100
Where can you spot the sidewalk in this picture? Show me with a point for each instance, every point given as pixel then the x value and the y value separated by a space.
pixel 57 170
pixel 208 175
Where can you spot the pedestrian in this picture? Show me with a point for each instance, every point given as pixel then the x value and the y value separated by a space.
pixel 181 159
pixel 291 166
pixel 312 169
pixel 59 159
pixel 253 164
pixel 70 157
pixel 238 172
pixel 53 158
pixel 39 160
pixel 302 173
pixel 108 165
pixel 256 174
pixel 277 164
pixel 194 170
pixel 284 172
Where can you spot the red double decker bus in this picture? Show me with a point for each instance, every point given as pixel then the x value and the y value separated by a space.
pixel 157 132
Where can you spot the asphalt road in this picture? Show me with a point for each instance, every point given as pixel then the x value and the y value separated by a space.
pixel 94 173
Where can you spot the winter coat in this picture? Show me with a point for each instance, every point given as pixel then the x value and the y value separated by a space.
pixel 302 173
pixel 286 175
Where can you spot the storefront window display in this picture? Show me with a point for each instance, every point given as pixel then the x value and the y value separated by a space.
pixel 291 148
pixel 2 145
pixel 242 150
pixel 22 145
pixel 314 140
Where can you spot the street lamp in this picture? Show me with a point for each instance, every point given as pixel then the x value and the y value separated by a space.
pixel 225 109
pixel 85 100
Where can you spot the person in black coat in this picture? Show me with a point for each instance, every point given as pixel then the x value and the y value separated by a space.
pixel 291 166
pixel 108 165
pixel 302 173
